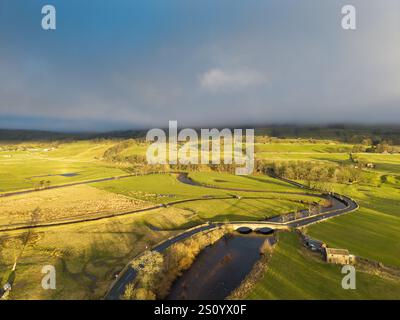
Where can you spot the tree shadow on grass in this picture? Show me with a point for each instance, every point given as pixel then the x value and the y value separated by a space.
pixel 274 181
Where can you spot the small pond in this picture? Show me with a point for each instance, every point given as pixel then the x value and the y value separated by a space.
pixel 67 175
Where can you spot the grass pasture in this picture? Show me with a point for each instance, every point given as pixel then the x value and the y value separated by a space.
pixel 166 188
pixel 373 231
pixel 260 183
pixel 293 273
pixel 25 169
pixel 241 209
pixel 157 188
pixel 63 204
pixel 86 255
pixel 298 146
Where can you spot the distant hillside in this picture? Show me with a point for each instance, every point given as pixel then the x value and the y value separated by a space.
pixel 37 135
pixel 30 135
pixel 343 133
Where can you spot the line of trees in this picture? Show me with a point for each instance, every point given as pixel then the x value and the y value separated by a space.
pixel 308 171
pixel 311 171
pixel 370 147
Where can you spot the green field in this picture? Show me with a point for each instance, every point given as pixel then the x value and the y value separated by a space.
pixel 240 209
pixel 88 254
pixel 293 273
pixel 373 231
pixel 303 147
pixel 157 188
pixel 251 205
pixel 24 169
pixel 261 183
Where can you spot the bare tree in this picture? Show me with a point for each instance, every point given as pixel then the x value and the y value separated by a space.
pixel 147 267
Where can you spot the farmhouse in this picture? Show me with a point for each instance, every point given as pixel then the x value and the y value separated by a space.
pixel 339 256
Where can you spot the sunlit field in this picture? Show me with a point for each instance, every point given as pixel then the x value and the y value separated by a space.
pixel 66 163
pixel 294 273
pixel 89 254
pixel 57 205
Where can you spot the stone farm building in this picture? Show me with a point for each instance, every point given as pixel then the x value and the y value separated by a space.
pixel 339 256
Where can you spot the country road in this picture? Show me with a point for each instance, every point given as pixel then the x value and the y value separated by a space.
pixel 340 205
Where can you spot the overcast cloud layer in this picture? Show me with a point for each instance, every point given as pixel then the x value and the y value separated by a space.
pixel 133 64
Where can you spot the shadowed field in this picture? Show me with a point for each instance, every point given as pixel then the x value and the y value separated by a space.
pixel 86 256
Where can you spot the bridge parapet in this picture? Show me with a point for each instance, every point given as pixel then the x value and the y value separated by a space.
pixel 258 225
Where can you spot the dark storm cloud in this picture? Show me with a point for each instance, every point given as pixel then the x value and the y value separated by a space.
pixel 122 64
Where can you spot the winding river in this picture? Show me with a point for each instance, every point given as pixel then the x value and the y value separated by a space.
pixel 218 269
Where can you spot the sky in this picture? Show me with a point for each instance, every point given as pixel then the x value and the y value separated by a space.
pixel 129 64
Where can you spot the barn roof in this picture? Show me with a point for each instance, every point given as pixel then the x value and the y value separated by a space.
pixel 337 251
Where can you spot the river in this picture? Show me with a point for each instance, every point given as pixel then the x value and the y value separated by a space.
pixel 218 269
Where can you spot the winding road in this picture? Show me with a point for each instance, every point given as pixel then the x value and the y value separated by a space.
pixel 340 205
